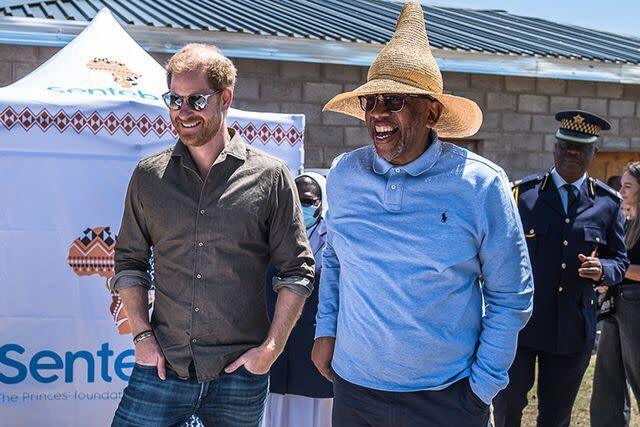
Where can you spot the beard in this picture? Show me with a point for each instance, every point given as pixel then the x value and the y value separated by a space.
pixel 391 155
pixel 209 130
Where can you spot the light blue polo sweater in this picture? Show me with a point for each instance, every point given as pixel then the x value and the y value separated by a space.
pixel 411 252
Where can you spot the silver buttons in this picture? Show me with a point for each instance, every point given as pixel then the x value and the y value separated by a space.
pixel 567 220
pixel 560 289
pixel 597 239
pixel 565 243
pixel 563 265
pixel 532 231
pixel 393 186
pixel 201 211
pixel 194 340
pixel 197 309
pixel 200 244
pixel 398 170
pixel 198 276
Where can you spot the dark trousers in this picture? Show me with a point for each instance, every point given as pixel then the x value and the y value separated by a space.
pixel 456 405
pixel 618 362
pixel 559 378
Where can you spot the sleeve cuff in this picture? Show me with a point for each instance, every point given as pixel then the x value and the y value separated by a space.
pixel 296 284
pixel 486 390
pixel 129 278
pixel 323 330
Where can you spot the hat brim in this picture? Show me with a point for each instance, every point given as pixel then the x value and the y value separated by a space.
pixel 577 137
pixel 460 118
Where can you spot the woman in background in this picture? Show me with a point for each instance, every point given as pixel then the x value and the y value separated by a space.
pixel 299 396
pixel 618 359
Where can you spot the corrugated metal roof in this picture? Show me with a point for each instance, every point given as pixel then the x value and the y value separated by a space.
pixel 358 21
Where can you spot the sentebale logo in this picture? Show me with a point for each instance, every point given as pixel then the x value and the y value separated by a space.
pixel 121 74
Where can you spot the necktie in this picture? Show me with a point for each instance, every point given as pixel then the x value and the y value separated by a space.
pixel 571 195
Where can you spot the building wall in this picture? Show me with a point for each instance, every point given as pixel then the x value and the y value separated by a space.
pixel 517 133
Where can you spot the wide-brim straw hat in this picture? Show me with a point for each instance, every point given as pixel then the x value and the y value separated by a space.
pixel 407 66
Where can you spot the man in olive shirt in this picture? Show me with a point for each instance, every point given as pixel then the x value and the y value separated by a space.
pixel 215 211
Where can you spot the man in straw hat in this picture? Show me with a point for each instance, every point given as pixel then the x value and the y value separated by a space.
pixel 421 234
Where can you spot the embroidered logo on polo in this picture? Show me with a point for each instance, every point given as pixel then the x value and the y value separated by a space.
pixel 121 74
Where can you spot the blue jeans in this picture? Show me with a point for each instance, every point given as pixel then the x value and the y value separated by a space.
pixel 231 400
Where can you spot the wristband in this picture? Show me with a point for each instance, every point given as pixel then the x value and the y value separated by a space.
pixel 142 335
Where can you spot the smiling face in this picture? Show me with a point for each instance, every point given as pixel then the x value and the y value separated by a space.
pixel 196 128
pixel 572 159
pixel 401 137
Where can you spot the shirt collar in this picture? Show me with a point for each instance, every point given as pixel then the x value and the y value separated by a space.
pixel 235 148
pixel 559 181
pixel 416 167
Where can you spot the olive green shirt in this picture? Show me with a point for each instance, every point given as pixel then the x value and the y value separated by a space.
pixel 212 241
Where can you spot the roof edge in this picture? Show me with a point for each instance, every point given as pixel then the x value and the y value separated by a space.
pixel 48 32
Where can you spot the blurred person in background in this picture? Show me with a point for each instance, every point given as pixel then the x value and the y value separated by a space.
pixel 299 394
pixel 618 359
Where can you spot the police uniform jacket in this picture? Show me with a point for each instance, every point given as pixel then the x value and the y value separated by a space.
pixel 564 309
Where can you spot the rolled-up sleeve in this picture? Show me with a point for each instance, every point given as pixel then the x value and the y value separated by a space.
pixel 133 245
pixel 288 243
pixel 507 288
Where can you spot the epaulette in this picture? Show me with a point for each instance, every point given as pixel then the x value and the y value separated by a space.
pixel 596 183
pixel 515 185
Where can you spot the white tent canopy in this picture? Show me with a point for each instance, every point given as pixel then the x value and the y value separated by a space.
pixel 104 88
pixel 71 133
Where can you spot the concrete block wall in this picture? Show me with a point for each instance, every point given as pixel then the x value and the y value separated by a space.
pixel 517 133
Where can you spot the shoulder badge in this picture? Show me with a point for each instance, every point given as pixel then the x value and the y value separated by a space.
pixel 596 183
pixel 515 185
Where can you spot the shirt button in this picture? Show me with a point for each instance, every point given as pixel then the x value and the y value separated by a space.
pixel 200 244
pixel 194 340
pixel 201 211
pixel 563 265
pixel 531 231
pixel 393 187
pixel 398 170
pixel 567 220
pixel 565 243
pixel 560 289
pixel 199 276
pixel 197 309
pixel 597 239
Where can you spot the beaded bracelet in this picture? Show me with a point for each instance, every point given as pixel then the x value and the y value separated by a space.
pixel 142 335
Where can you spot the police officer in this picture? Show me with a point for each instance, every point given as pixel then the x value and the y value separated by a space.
pixel 574 233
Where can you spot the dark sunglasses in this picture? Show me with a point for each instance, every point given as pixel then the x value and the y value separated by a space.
pixel 392 102
pixel 197 101
pixel 309 201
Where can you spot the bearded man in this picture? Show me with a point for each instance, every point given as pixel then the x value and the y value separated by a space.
pixel 215 211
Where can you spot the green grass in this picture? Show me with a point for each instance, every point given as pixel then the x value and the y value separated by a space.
pixel 580 415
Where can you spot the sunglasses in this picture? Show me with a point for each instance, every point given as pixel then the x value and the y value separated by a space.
pixel 394 103
pixel 309 201
pixel 197 101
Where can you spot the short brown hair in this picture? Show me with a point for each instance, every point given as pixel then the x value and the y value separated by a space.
pixel 221 73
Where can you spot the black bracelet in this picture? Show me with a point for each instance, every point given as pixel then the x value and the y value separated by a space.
pixel 142 335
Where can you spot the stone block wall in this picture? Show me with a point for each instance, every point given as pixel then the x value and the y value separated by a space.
pixel 517 133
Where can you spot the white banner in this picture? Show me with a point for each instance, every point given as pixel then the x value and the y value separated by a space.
pixel 71 133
